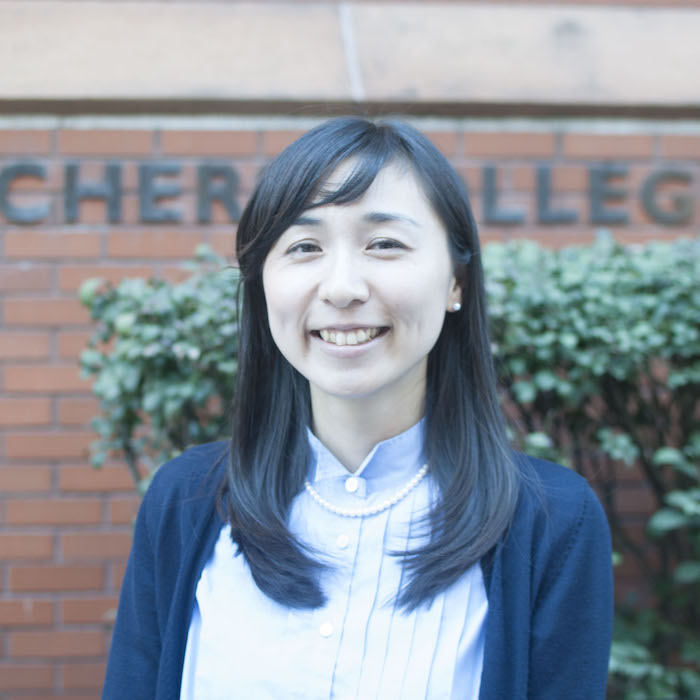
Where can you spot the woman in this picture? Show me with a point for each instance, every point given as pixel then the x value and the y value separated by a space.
pixel 368 531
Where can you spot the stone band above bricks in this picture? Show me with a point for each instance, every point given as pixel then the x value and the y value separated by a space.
pixel 238 55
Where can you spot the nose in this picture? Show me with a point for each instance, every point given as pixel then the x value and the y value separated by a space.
pixel 343 282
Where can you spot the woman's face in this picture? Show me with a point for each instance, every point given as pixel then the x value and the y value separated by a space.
pixel 357 293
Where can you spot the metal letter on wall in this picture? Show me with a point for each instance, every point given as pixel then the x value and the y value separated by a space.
pixel 546 215
pixel 600 191
pixel 218 182
pixel 13 213
pixel 682 207
pixel 492 214
pixel 151 191
pixel 109 190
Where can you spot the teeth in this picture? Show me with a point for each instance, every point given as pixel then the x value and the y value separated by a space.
pixel 361 335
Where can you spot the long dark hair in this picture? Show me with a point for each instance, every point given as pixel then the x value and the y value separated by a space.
pixel 465 440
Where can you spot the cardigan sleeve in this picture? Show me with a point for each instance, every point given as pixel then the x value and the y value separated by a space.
pixel 135 648
pixel 572 611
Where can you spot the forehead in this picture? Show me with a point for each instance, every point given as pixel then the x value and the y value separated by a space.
pixel 396 187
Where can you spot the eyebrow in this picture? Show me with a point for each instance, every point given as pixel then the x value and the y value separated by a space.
pixel 374 217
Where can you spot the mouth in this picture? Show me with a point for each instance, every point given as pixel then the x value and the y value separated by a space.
pixel 355 336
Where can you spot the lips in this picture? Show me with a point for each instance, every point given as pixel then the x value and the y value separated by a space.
pixel 355 336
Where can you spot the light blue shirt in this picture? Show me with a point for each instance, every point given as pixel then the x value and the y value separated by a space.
pixel 241 644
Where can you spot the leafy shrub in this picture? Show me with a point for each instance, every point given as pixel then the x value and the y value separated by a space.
pixel 599 354
pixel 164 360
pixel 598 350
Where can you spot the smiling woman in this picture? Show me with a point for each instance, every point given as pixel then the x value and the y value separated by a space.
pixel 356 297
pixel 368 532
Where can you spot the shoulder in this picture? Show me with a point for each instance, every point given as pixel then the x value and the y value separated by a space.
pixel 558 516
pixel 186 487
pixel 184 474
pixel 552 492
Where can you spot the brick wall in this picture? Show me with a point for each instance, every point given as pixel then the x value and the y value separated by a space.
pixel 65 528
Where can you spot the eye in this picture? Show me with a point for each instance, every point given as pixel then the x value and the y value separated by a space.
pixel 304 247
pixel 386 244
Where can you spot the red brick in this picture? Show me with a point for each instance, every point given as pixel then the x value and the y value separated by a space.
pixel 117 576
pixel 635 235
pixel 82 610
pixel 44 379
pixel 48 445
pixel 25 546
pixel 224 243
pixel 43 311
pixel 41 245
pixel 25 612
pixel 564 178
pixel 72 343
pixel 522 178
pixel 83 675
pixel 681 146
pixel 25 479
pixel 26 676
pixel 52 511
pixel 95 545
pixel 105 142
pixel 444 141
pixel 175 273
pixel 70 277
pixel 63 696
pixel 635 499
pixel 510 145
pixel 608 146
pixel 25 142
pixel 86 478
pixel 471 177
pixel 77 412
pixel 56 644
pixel 122 511
pixel 248 176
pixel 18 412
pixel 25 278
pixel 276 141
pixel 56 578
pixel 553 236
pixel 17 345
pixel 167 243
pixel 209 143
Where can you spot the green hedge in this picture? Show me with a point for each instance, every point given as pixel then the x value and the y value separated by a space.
pixel 598 350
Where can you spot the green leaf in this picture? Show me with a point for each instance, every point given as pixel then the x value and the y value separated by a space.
pixel 665 520
pixel 687 572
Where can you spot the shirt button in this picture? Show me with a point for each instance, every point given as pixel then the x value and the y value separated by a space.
pixel 351 484
pixel 342 541
pixel 326 629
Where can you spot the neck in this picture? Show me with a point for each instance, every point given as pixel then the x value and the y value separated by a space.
pixel 350 428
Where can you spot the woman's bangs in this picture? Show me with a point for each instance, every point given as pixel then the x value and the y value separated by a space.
pixel 365 169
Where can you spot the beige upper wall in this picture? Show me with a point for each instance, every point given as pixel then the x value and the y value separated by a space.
pixel 404 52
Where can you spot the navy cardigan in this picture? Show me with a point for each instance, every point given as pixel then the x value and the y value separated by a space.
pixel 548 582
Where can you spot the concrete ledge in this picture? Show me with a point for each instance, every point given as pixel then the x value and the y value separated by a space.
pixel 272 57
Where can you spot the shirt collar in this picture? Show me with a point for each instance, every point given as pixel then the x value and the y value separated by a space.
pixel 390 462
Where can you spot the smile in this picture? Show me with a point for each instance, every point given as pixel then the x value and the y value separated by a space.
pixel 357 336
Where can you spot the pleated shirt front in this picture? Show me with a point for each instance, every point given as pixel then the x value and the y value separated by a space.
pixel 361 645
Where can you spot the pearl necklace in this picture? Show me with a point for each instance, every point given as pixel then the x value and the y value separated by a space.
pixel 372 510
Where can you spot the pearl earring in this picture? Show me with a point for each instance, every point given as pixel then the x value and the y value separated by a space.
pixel 456 306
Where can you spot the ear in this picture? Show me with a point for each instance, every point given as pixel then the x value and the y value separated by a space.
pixel 454 299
